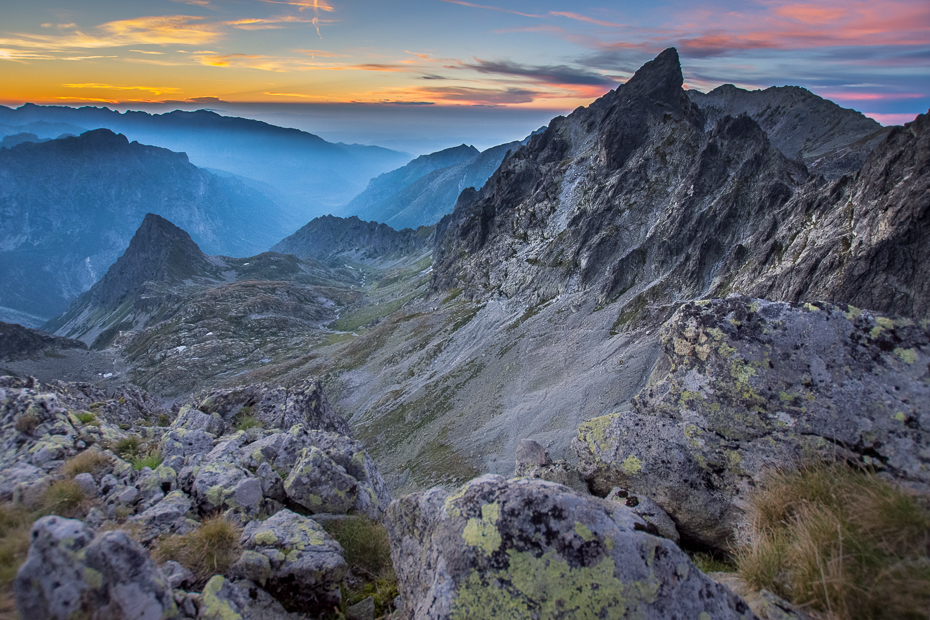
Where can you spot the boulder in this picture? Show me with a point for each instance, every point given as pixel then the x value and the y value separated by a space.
pixel 223 599
pixel 71 572
pixel 648 510
pixel 526 548
pixel 319 484
pixel 744 385
pixel 304 564
pixel 168 516
pixel 278 407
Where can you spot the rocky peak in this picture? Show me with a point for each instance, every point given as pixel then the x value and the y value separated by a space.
pixel 159 251
pixel 660 78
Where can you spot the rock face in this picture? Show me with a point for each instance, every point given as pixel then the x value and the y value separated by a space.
pixel 744 385
pixel 329 238
pixel 828 139
pixel 71 572
pixel 532 549
pixel 17 342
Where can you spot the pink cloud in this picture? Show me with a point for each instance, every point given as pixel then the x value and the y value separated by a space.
pixel 891 119
pixel 844 96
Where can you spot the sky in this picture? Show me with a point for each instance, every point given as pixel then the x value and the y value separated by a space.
pixel 426 74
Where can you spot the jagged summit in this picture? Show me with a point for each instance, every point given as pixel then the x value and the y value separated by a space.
pixel 159 251
pixel 660 78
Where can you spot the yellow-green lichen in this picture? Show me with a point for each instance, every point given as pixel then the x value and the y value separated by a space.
pixel 632 465
pixel 483 533
pixel 93 578
pixel 266 538
pixel 594 431
pixel 908 356
pixel 584 532
pixel 212 606
pixel 548 587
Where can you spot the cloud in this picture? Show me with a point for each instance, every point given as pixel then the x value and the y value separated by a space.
pixel 873 96
pixel 474 95
pixel 315 5
pixel 155 90
pixel 891 119
pixel 545 74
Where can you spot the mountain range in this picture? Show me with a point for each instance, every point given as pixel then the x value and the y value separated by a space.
pixel 536 304
pixel 312 176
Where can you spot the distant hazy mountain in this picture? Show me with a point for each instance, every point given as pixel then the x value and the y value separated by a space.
pixel 828 139
pixel 313 175
pixel 327 238
pixel 68 208
pixel 426 189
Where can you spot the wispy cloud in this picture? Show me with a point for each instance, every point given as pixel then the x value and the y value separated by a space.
pixel 155 90
pixel 891 119
pixel 547 74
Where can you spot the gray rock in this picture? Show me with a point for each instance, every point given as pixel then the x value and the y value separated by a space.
pixel 306 564
pixel 319 484
pixel 30 494
pixel 69 571
pixel 128 496
pixel 15 475
pixel 223 599
pixel 87 484
pixel 184 442
pixel 363 610
pixel 168 516
pixel 530 455
pixel 650 512
pixel 272 485
pixel 746 384
pixel 177 575
pixel 248 493
pixel 529 548
pixel 215 484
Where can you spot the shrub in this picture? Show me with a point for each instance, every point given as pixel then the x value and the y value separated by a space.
pixel 27 422
pixel 87 462
pixel 64 498
pixel 152 460
pixel 367 551
pixel 842 542
pixel 206 551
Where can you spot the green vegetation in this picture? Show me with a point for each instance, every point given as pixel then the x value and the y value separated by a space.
pixel 209 550
pixel 841 542
pixel 128 448
pixel 709 563
pixel 245 420
pixel 368 314
pixel 368 554
pixel 151 460
pixel 86 417
pixel 87 462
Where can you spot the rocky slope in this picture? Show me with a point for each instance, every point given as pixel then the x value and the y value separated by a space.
pixel 70 206
pixel 17 342
pixel 426 189
pixel 163 273
pixel 828 139
pixel 312 175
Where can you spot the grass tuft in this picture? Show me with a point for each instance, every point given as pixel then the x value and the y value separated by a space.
pixel 209 550
pixel 15 524
pixel 87 462
pixel 841 542
pixel 367 551
pixel 64 498
pixel 128 448
pixel 86 417
pixel 152 460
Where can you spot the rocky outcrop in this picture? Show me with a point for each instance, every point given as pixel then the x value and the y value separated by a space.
pixel 17 342
pixel 526 548
pixel 207 462
pixel 744 385
pixel 828 139
pixel 71 572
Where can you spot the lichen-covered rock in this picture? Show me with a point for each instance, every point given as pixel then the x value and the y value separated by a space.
pixel 168 516
pixel 319 484
pixel 223 599
pixel 650 512
pixel 275 407
pixel 527 548
pixel 71 572
pixel 305 564
pixel 215 485
pixel 746 384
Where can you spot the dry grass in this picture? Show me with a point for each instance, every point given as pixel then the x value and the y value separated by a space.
pixel 842 543
pixel 64 498
pixel 207 551
pixel 15 523
pixel 87 462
